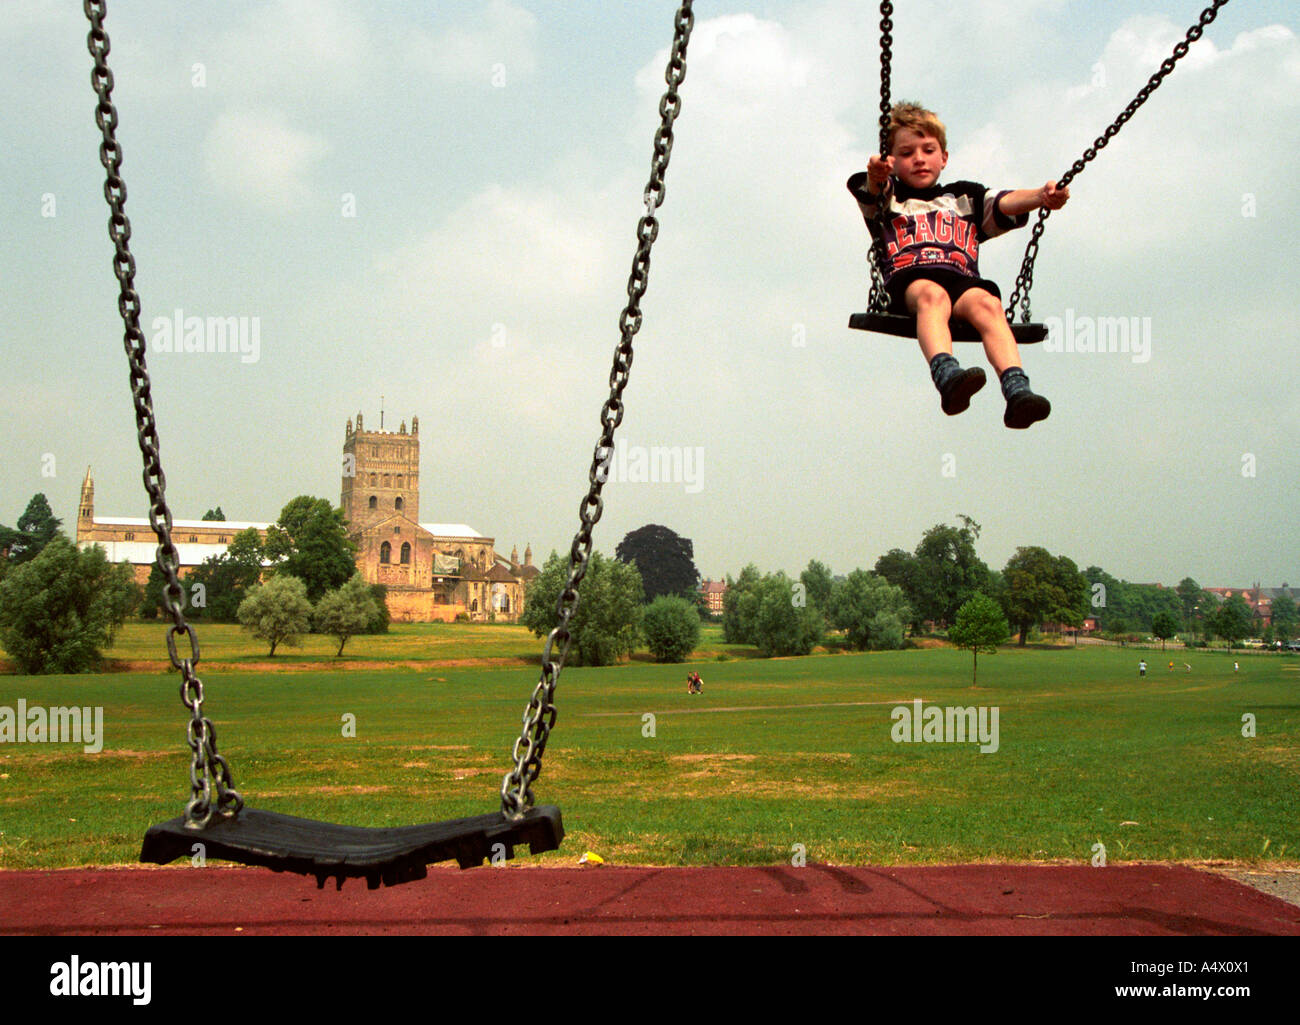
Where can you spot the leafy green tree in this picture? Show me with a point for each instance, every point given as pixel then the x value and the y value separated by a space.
pixel 310 541
pixel 980 627
pixel 740 606
pixel 36 528
pixel 60 609
pixel 665 560
pixel 782 624
pixel 1285 616
pixel 947 570
pixel 672 628
pixel 870 610
pixel 818 584
pixel 1189 593
pixel 900 569
pixel 1234 620
pixel 1039 587
pixel 226 579
pixel 345 612
pixel 1164 625
pixel 215 515
pixel 277 611
pixel 379 622
pixel 607 623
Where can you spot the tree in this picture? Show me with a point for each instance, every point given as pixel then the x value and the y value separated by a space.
pixel 215 515
pixel 672 628
pixel 900 569
pixel 740 606
pixel 665 560
pixel 277 611
pixel 1285 617
pixel 941 574
pixel 310 541
pixel 379 622
pixel 1164 625
pixel 818 584
pixel 345 612
pixel 782 625
pixel 1039 587
pixel 226 579
pixel 60 609
pixel 607 623
pixel 1233 621
pixel 1189 593
pixel 36 528
pixel 980 626
pixel 870 610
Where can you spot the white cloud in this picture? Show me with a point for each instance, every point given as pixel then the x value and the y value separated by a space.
pixel 501 45
pixel 257 157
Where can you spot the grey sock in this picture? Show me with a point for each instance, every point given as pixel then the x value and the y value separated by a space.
pixel 943 368
pixel 1014 381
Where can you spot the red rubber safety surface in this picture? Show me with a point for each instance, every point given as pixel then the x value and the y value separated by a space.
pixel 1002 900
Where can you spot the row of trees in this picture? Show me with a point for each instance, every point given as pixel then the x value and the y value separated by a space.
pixel 60 607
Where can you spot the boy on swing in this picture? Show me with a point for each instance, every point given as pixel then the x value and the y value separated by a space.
pixel 931 237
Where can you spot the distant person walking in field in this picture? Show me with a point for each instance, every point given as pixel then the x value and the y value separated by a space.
pixel 1142 667
pixel 694 685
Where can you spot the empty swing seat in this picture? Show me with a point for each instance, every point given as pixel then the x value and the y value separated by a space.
pixel 905 327
pixel 389 856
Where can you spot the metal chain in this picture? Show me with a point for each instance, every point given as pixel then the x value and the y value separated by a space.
pixel 207 766
pixel 1025 279
pixel 539 717
pixel 878 298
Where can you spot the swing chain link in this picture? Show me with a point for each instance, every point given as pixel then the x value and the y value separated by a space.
pixel 878 299
pixel 206 765
pixel 539 717
pixel 1025 279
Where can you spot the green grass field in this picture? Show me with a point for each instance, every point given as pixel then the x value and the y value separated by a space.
pixel 774 754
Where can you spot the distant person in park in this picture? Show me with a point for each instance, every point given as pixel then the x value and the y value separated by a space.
pixel 1187 666
pixel 1142 667
pixel 694 685
pixel 1171 665
pixel 931 236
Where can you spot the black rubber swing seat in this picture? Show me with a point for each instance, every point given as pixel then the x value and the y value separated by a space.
pixel 389 856
pixel 905 327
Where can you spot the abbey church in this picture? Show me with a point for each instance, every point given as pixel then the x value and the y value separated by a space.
pixel 433 571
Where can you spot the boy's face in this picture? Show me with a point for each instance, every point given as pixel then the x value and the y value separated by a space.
pixel 917 158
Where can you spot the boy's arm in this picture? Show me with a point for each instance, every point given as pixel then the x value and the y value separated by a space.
pixel 1022 201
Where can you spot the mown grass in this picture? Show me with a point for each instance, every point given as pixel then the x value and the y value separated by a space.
pixel 774 754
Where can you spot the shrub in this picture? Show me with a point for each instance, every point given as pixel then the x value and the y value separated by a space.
pixel 671 627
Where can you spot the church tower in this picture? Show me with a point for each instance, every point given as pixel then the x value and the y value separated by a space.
pixel 86 510
pixel 381 474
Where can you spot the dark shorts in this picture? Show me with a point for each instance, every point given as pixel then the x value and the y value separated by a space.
pixel 950 281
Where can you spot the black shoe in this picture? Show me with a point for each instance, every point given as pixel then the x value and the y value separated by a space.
pixel 955 394
pixel 1025 408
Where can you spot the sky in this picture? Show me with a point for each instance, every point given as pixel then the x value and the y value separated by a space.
pixel 433 206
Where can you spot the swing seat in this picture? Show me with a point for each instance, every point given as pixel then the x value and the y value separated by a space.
pixel 905 327
pixel 389 856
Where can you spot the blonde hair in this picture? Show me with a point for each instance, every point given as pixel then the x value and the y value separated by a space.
pixel 918 119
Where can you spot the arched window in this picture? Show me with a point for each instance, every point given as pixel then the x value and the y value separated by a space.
pixel 374 502
pixel 397 503
pixel 385 553
pixel 406 553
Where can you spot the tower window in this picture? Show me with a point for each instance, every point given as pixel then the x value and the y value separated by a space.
pixel 385 553
pixel 374 502
pixel 397 503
